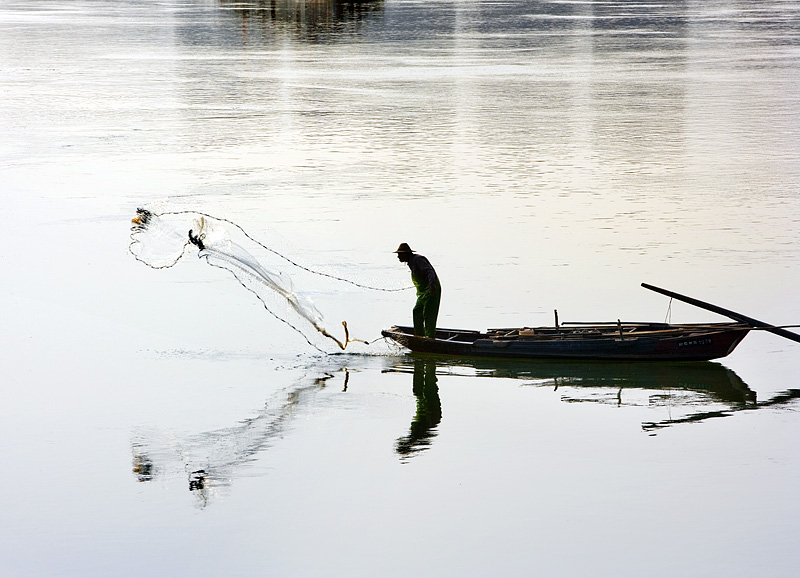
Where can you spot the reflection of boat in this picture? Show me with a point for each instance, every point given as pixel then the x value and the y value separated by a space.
pixel 693 392
pixel 621 341
pixel 713 379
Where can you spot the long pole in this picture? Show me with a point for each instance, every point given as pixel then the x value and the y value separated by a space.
pixel 726 312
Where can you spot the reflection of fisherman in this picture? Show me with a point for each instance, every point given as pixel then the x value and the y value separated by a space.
pixel 429 410
pixel 429 290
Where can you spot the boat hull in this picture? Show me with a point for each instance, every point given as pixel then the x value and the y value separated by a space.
pixel 669 343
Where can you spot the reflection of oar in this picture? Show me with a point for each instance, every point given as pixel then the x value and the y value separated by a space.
pixel 726 312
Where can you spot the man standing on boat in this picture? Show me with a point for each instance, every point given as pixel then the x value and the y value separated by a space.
pixel 429 290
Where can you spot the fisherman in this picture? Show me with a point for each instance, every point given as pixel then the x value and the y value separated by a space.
pixel 429 291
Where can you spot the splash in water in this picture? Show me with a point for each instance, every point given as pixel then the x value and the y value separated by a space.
pixel 161 240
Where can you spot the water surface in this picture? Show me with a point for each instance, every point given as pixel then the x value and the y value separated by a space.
pixel 543 155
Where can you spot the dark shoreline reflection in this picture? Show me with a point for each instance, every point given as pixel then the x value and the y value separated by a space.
pixel 310 20
pixel 700 390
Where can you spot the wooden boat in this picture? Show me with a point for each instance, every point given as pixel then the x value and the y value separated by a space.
pixel 597 341
pixel 603 341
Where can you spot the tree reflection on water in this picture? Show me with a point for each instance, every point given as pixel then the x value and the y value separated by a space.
pixel 309 20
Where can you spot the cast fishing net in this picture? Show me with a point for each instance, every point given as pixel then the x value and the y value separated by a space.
pixel 161 240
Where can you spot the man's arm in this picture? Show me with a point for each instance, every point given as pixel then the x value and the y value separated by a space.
pixel 429 274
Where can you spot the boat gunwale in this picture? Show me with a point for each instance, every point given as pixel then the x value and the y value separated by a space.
pixel 603 331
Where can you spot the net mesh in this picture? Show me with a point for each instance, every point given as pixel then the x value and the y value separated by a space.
pixel 161 240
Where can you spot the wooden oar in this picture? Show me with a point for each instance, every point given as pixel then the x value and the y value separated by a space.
pixel 726 312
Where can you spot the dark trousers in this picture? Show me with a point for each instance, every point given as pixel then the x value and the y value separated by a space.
pixel 426 310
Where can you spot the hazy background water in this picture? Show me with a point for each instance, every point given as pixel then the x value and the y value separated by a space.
pixel 543 155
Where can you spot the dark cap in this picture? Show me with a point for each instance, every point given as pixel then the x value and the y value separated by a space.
pixel 404 248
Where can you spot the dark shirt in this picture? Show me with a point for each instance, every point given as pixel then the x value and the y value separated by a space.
pixel 423 275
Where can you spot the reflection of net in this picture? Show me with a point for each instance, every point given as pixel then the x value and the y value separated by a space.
pixel 212 459
pixel 160 241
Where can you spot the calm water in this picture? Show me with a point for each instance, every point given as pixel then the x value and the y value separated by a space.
pixel 543 155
